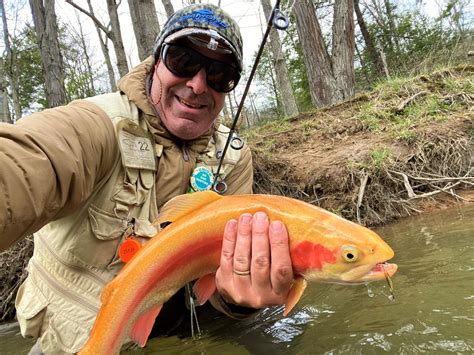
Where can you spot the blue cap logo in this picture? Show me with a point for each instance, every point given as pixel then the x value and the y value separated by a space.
pixel 204 15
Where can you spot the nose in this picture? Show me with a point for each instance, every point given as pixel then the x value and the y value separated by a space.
pixel 198 82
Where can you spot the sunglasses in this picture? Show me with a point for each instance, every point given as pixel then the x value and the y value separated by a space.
pixel 185 62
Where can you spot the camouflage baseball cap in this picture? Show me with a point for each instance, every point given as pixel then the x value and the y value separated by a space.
pixel 202 19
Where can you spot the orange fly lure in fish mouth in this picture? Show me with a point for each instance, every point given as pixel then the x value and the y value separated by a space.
pixel 323 246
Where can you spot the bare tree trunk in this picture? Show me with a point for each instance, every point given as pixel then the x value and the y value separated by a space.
pixel 145 25
pixel 343 47
pixel 391 24
pixel 168 7
pixel 318 63
pixel 256 117
pixel 9 64
pixel 275 90
pixel 374 55
pixel 362 63
pixel 105 50
pixel 225 111
pixel 86 54
pixel 384 61
pixel 116 33
pixel 115 37
pixel 378 14
pixel 231 106
pixel 5 108
pixel 46 26
pixel 283 79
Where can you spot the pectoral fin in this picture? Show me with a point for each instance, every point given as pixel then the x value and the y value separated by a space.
pixel 143 325
pixel 296 291
pixel 204 288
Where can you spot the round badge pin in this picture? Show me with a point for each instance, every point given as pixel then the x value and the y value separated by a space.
pixel 201 179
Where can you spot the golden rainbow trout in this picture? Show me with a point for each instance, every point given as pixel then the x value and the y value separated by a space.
pixel 324 248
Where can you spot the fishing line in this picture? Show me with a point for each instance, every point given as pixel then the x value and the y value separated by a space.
pixel 192 309
pixel 278 20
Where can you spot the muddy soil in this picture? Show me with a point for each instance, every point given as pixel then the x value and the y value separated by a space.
pixel 381 156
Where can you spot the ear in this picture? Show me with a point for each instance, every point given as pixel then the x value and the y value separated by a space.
pixel 155 90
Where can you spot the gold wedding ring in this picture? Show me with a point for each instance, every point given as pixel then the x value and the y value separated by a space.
pixel 242 273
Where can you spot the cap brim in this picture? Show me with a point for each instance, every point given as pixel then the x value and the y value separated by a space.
pixel 224 45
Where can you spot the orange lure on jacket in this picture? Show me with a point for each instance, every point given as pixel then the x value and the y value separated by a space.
pixel 324 248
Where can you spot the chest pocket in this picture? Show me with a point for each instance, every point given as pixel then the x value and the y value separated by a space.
pixel 102 234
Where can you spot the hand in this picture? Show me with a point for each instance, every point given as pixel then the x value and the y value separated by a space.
pixel 255 269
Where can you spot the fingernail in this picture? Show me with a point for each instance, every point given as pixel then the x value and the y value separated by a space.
pixel 261 216
pixel 232 225
pixel 246 219
pixel 276 226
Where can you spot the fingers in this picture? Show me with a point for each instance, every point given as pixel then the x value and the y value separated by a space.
pixel 243 245
pixel 228 247
pixel 255 269
pixel 260 265
pixel 224 273
pixel 281 267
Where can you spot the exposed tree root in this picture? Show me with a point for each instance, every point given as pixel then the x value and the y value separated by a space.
pixel 13 264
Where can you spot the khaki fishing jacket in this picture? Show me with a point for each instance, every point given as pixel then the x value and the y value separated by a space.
pixel 73 176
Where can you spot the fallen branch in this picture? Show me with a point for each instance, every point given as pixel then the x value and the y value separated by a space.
pixel 408 101
pixel 412 195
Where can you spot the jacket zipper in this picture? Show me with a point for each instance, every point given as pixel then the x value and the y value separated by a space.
pixel 185 153
pixel 74 267
pixel 187 169
pixel 63 290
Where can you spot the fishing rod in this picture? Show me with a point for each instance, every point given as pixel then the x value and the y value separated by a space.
pixel 278 20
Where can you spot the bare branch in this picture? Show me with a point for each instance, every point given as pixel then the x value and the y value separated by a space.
pixel 408 101
pixel 91 16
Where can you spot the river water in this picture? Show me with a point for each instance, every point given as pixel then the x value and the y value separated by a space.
pixel 433 310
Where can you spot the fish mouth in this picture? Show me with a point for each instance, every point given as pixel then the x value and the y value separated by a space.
pixel 381 270
pixel 369 273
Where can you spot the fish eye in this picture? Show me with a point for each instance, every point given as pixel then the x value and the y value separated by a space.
pixel 350 253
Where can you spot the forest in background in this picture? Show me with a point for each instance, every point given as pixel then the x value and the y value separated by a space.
pixel 332 50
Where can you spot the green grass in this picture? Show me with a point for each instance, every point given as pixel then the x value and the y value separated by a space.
pixel 393 85
pixel 407 135
pixel 368 117
pixel 379 156
pixel 456 86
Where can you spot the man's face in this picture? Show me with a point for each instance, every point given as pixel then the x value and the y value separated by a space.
pixel 187 106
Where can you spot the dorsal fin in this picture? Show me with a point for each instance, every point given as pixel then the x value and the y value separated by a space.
pixel 182 205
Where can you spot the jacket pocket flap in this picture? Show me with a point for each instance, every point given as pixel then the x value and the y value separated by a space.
pixel 69 335
pixel 147 178
pixel 104 226
pixel 30 300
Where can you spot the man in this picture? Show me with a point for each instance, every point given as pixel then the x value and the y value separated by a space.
pixel 89 176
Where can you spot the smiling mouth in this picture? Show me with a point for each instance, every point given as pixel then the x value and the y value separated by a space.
pixel 189 104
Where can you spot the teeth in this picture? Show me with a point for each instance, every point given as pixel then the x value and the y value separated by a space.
pixel 188 103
